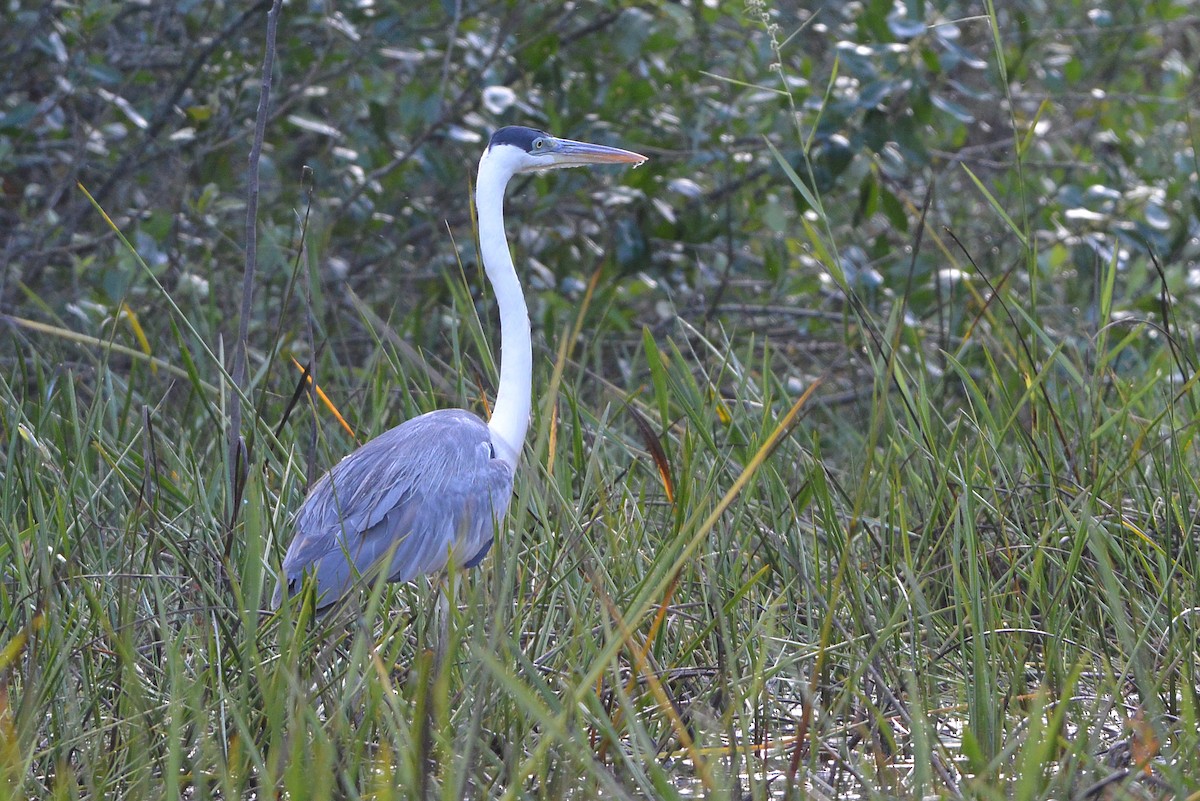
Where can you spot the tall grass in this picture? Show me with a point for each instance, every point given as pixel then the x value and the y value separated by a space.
pixel 981 588
pixel 974 576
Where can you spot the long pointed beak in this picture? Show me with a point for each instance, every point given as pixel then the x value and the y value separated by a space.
pixel 570 153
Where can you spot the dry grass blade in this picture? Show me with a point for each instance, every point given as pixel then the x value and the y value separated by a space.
pixel 306 377
pixel 655 448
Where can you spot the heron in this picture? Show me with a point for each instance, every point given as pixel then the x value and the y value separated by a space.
pixel 435 489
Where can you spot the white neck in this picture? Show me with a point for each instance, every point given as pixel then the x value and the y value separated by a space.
pixel 514 399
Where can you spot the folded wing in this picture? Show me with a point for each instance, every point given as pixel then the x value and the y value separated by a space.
pixel 401 506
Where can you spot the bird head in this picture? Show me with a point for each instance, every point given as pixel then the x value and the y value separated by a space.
pixel 520 150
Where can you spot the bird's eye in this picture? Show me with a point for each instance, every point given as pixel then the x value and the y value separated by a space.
pixel 538 144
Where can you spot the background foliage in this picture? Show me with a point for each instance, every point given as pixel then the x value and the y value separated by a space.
pixel 972 230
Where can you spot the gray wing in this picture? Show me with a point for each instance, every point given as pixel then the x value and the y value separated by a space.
pixel 424 490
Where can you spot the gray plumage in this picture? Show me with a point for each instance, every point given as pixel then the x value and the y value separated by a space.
pixel 426 491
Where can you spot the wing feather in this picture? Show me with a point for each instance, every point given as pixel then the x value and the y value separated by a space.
pixel 426 491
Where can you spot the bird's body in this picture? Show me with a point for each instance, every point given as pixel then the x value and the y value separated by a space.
pixel 434 489
pixel 434 478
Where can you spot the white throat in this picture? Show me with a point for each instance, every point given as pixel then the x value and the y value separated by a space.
pixel 514 398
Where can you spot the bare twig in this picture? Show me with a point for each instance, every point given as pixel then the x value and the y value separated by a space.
pixel 238 456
